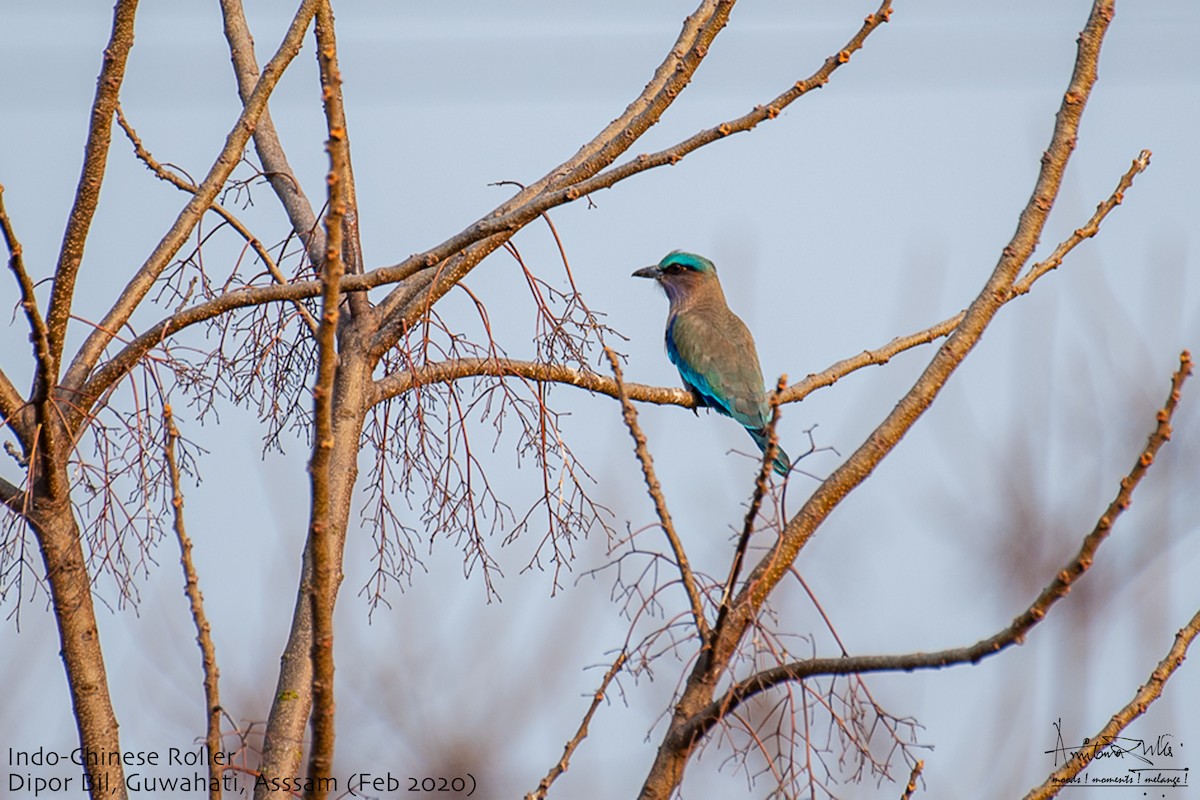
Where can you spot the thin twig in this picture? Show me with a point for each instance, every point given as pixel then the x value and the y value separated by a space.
pixel 48 419
pixel 881 355
pixel 162 173
pixel 191 587
pixel 11 402
pixel 135 290
pixel 629 413
pixel 580 735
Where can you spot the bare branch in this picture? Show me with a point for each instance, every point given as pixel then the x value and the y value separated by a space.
pixel 266 139
pixel 11 402
pixel 471 245
pixel 93 347
pixel 577 178
pixel 881 355
pixel 322 535
pixel 87 193
pixel 667 770
pixel 760 113
pixel 397 383
pixel 185 185
pixel 1013 634
pixel 975 320
pixel 191 587
pixel 761 486
pixel 629 413
pixel 1089 229
pixel 1145 695
pixel 564 762
pixel 45 466
pixel 915 775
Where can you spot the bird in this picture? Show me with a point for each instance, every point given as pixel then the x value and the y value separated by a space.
pixel 711 347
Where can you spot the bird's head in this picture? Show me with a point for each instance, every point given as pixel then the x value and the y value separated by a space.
pixel 682 275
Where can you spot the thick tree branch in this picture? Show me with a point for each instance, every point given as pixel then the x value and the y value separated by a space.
pixel 131 296
pixel 266 140
pixel 1015 633
pixel 322 534
pixel 95 159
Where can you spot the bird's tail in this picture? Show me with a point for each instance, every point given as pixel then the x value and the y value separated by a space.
pixel 782 463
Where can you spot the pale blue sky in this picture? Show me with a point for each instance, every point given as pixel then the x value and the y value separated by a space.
pixel 869 209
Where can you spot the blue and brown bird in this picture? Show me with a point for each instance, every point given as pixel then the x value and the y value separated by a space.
pixel 712 347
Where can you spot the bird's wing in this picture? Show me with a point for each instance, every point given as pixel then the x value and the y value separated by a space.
pixel 716 358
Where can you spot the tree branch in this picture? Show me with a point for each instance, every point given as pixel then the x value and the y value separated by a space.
pixel 975 320
pixel 667 770
pixel 322 535
pixel 11 401
pixel 398 383
pixel 44 465
pixel 913 776
pixel 266 139
pixel 579 177
pixel 87 193
pixel 1015 633
pixel 881 355
pixel 93 347
pixel 162 173
pixel 629 413
pixel 761 486
pixel 1142 699
pixel 191 587
pixel 669 80
pixel 569 750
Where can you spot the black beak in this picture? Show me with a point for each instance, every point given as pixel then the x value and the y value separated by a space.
pixel 648 272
